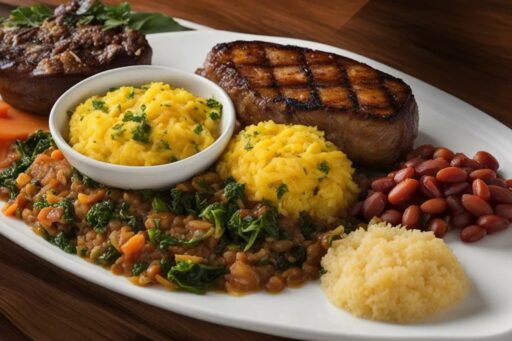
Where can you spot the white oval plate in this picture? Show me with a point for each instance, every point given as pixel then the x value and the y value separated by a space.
pixel 305 313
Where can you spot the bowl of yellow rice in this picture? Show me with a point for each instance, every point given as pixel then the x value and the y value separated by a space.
pixel 142 127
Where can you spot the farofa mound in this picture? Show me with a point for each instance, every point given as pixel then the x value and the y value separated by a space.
pixel 292 166
pixel 392 274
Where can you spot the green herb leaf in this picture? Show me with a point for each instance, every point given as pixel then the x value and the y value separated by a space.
pixel 154 23
pixel 142 132
pixel 214 115
pixel 159 205
pixel 31 16
pixel 99 215
pixel 99 105
pixel 195 277
pixel 35 144
pixel 198 129
pixel 324 167
pixel 130 116
pixel 281 190
pixel 139 268
pixel 109 256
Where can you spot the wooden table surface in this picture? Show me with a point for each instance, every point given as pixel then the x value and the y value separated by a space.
pixel 463 47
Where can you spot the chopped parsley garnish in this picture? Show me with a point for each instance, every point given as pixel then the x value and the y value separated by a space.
pixel 131 94
pixel 69 113
pixel 130 116
pixel 99 105
pixel 324 167
pixel 248 146
pixel 198 129
pixel 165 145
pixel 118 131
pixel 141 133
pixel 214 115
pixel 113 89
pixel 139 268
pixel 281 190
pixel 211 103
pixel 173 159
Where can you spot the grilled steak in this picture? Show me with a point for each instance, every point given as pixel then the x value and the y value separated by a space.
pixel 368 114
pixel 37 64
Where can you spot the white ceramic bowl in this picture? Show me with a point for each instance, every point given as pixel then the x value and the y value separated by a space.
pixel 140 177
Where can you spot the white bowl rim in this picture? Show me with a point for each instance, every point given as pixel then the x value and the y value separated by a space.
pixel 227 108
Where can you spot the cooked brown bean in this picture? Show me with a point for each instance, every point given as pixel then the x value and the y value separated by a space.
pixel 455 188
pixel 275 284
pixel 281 245
pixel 493 223
pixel 444 153
pixel 451 175
pixel 462 219
pixel 392 174
pixel 383 185
pixel 438 226
pixel 294 277
pixel 199 225
pixel 481 189
pixel 434 206
pixel 487 160
pixel 413 162
pixel 476 205
pixel 411 216
pixel 425 151
pixel 394 217
pixel 504 210
pixel 430 187
pixel 497 182
pixel 472 233
pixel 472 164
pixel 454 204
pixel 458 160
pixel 500 195
pixel 405 173
pixel 431 167
pixel 484 174
pixel 403 191
pixel 374 205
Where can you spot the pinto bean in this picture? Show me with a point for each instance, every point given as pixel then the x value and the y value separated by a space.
pixel 383 185
pixel 481 189
pixel 454 204
pixel 403 191
pixel 431 167
pixel 405 173
pixel 374 205
pixel 430 187
pixel 411 216
pixel 500 195
pixel 451 175
pixel 434 206
pixel 476 205
pixel 455 188
pixel 394 217
pixel 444 153
pixel 493 223
pixel 484 174
pixel 472 233
pixel 504 210
pixel 487 160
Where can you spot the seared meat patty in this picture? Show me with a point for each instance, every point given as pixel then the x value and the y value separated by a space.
pixel 368 114
pixel 37 64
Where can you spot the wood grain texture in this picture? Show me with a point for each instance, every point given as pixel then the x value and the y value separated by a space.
pixel 463 47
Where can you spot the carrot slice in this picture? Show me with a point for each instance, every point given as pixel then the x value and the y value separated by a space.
pixel 10 209
pixel 17 124
pixel 133 245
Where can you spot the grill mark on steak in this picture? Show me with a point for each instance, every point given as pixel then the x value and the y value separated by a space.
pixel 370 115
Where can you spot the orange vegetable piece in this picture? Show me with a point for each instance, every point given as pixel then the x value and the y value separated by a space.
pixel 10 210
pixel 17 124
pixel 4 150
pixel 133 245
pixel 57 155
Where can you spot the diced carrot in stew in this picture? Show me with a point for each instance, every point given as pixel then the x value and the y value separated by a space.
pixel 133 245
pixel 4 107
